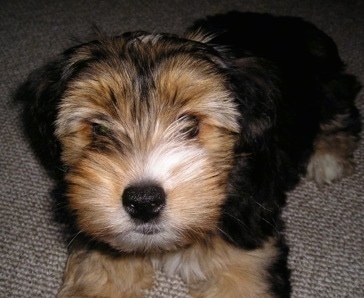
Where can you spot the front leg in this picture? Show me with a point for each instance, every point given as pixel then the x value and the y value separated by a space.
pixel 237 273
pixel 95 273
pixel 218 269
pixel 234 282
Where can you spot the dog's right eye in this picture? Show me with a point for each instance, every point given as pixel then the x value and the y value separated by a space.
pixel 99 129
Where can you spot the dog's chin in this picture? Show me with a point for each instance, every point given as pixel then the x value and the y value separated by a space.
pixel 145 239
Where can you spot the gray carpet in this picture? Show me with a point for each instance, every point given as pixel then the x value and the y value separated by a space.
pixel 325 227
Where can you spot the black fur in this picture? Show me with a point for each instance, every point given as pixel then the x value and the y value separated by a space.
pixel 287 78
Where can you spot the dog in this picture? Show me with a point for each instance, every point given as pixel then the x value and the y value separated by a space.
pixel 177 151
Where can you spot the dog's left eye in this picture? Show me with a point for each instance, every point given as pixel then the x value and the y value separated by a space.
pixel 99 129
pixel 190 126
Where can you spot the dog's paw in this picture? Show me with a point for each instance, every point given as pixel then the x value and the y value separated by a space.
pixel 325 168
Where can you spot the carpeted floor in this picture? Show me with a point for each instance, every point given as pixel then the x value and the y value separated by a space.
pixel 325 227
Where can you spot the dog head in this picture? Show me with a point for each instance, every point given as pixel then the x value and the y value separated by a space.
pixel 149 128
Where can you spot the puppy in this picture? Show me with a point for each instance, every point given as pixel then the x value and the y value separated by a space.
pixel 177 151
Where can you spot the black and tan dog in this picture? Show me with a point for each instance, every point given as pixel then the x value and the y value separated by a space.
pixel 178 150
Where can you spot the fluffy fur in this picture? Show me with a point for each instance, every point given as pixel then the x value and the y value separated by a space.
pixel 177 151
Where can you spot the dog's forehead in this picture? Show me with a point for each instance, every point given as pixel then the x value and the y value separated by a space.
pixel 146 74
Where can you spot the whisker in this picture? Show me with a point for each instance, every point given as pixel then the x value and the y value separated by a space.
pixel 227 236
pixel 73 239
pixel 265 208
pixel 237 219
pixel 272 225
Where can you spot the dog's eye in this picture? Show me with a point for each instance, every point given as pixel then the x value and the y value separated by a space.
pixel 190 127
pixel 99 129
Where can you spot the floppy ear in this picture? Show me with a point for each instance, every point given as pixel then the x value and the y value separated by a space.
pixel 258 91
pixel 250 213
pixel 40 95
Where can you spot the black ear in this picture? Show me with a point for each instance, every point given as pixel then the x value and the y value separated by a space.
pixel 40 95
pixel 258 92
pixel 251 211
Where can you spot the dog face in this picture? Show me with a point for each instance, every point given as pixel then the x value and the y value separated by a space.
pixel 147 125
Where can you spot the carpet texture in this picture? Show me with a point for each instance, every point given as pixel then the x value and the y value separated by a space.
pixel 325 227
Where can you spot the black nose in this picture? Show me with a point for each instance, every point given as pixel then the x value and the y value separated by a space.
pixel 144 202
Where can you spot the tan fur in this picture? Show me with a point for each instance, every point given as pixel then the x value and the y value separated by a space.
pixel 333 153
pixel 210 269
pixel 93 273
